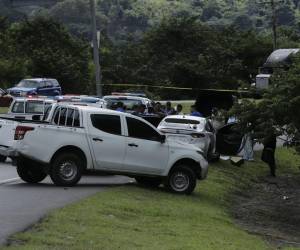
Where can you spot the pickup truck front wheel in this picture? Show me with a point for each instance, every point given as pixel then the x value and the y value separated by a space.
pixel 30 171
pixel 182 180
pixel 66 169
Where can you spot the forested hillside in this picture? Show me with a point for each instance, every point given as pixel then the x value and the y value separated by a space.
pixel 120 17
pixel 182 43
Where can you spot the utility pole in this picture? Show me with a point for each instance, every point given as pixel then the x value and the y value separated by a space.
pixel 274 24
pixel 274 20
pixel 96 50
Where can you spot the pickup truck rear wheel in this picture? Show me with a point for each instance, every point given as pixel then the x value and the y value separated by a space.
pixel 182 180
pixel 30 171
pixel 148 181
pixel 66 169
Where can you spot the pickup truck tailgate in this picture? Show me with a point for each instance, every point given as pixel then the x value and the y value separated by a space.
pixel 7 132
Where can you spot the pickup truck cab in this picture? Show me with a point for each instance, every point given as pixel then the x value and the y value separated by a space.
pixel 82 139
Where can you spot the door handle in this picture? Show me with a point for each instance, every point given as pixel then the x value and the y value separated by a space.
pixel 132 145
pixel 97 139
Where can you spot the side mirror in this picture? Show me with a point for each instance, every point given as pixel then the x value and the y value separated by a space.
pixel 162 139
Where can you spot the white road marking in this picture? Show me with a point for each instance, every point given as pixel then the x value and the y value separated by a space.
pixel 9 180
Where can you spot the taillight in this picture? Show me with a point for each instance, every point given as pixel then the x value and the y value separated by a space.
pixel 21 131
pixel 198 135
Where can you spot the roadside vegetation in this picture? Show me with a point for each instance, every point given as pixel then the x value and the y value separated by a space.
pixel 3 110
pixel 132 217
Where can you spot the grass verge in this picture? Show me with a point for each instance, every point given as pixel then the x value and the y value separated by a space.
pixel 130 217
pixel 3 110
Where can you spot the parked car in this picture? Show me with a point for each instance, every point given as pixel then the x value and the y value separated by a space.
pixel 36 86
pixel 94 101
pixel 82 139
pixel 32 108
pixel 128 101
pixel 191 129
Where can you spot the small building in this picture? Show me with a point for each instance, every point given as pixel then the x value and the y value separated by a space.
pixel 279 59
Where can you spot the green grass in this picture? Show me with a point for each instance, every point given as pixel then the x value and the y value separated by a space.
pixel 130 217
pixel 3 110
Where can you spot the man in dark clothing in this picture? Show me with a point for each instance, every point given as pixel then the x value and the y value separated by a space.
pixel 268 154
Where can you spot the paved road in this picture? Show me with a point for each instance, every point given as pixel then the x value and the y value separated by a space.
pixel 22 204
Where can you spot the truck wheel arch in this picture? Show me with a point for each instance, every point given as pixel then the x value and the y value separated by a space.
pixel 71 149
pixel 189 163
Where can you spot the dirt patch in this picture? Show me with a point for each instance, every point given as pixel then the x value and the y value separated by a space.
pixel 271 208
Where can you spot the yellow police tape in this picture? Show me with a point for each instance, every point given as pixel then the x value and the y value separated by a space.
pixel 176 88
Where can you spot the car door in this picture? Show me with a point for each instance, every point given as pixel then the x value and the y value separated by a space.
pixel 229 139
pixel 107 141
pixel 145 153
pixel 42 88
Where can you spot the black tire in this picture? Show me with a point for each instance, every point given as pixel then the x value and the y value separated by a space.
pixel 148 181
pixel 182 180
pixel 66 169
pixel 30 171
pixel 3 158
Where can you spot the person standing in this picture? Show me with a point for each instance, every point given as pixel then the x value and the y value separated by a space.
pixel 179 110
pixel 169 110
pixel 120 107
pixel 194 111
pixel 268 154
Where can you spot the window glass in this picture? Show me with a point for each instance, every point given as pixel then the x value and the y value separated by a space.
pixel 127 102
pixel 54 83
pixel 62 119
pixel 76 119
pixel 42 84
pixel 70 115
pixel 18 107
pixel 141 130
pixel 56 115
pixel 107 123
pixel 34 107
pixel 47 111
pixel 28 84
pixel 48 84
pixel 182 121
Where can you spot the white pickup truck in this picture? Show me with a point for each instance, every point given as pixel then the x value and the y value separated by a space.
pixel 83 139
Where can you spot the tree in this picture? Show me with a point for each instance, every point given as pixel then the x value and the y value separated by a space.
pixel 12 65
pixel 279 107
pixel 52 52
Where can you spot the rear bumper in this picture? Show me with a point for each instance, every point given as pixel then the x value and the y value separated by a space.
pixel 8 151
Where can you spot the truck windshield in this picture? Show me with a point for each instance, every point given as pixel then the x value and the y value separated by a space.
pixel 127 102
pixel 28 84
pixel 36 107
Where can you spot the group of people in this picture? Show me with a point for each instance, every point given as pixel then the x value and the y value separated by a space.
pixel 158 109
